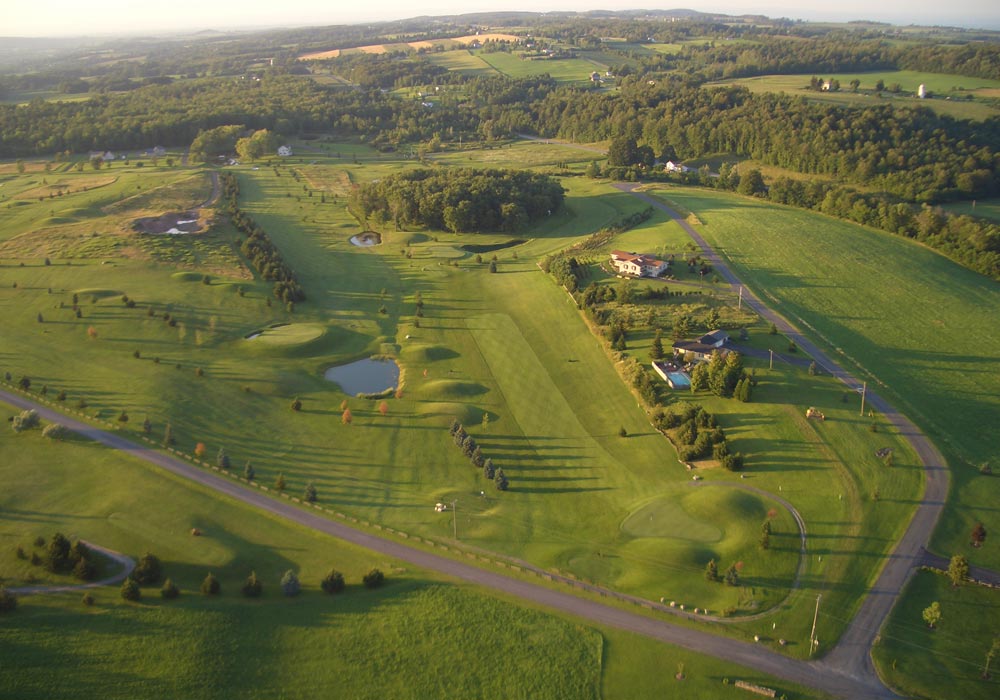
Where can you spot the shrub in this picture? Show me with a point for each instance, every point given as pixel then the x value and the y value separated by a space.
pixel 85 570
pixel 252 587
pixel 297 405
pixel 169 590
pixel 733 462
pixel 20 552
pixel 290 585
pixel 25 420
pixel 8 601
pixel 39 541
pixel 373 579
pixel 56 431
pixel 333 582
pixel 130 589
pixel 210 586
pixel 88 599
pixel 310 493
pixel 148 570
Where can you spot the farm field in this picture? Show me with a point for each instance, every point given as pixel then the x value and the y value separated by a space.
pixel 483 347
pixel 957 88
pixel 935 359
pixel 462 61
pixel 416 623
pixel 566 70
pixel 947 661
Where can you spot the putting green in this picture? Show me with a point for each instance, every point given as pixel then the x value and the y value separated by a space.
pixel 445 251
pixel 99 293
pixel 287 334
pixel 667 517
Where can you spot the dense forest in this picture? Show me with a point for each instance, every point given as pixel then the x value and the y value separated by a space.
pixel 460 200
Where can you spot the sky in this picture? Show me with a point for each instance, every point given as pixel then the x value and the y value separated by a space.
pixel 103 17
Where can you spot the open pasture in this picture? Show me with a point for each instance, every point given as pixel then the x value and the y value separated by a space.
pixel 565 70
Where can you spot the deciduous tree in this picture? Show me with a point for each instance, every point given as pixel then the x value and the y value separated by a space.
pixel 958 570
pixel 932 614
pixel 290 585
pixel 333 582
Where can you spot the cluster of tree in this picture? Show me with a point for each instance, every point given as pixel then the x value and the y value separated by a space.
pixel 731 576
pixel 393 69
pixel 62 557
pixel 217 141
pixel 696 434
pixel 258 247
pixel 474 454
pixel 25 420
pixel 460 200
pixel 724 376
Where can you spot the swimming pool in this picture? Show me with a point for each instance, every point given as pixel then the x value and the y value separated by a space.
pixel 678 380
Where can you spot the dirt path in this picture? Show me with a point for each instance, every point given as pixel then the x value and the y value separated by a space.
pixel 127 564
pixel 216 191
pixel 852 654
pixel 757 656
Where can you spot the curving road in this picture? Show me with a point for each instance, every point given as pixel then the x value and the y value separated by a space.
pixel 809 674
pixel 852 654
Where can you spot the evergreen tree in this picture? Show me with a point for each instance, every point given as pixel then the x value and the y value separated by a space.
pixel 252 587
pixel 489 471
pixel 477 458
pixel 279 483
pixel 333 582
pixel 711 571
pixel 732 576
pixel 222 459
pixel 148 569
pixel 168 436
pixel 248 472
pixel 656 350
pixel 501 480
pixel 373 579
pixel 455 427
pixel 309 496
pixel 169 590
pixel 130 589
pixel 290 585
pixel 210 585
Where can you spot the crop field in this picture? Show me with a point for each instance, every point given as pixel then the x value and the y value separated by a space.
pixel 935 359
pixel 419 625
pixel 953 94
pixel 510 346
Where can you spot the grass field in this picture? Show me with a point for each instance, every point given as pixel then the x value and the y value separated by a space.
pixel 984 208
pixel 403 640
pixel 567 70
pixel 947 661
pixel 555 405
pixel 462 61
pixel 934 359
pixel 950 92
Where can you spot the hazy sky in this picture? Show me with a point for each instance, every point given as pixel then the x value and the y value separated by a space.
pixel 79 17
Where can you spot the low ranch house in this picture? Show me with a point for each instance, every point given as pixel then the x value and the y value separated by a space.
pixel 638 265
pixel 703 347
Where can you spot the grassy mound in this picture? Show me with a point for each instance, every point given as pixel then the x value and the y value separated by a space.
pixel 286 334
pixel 446 410
pixel 428 353
pixel 452 388
pixel 664 517
pixel 98 293
pixel 187 276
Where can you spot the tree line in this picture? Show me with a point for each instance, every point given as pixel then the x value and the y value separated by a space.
pixel 258 247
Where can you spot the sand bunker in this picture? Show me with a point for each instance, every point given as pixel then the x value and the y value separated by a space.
pixel 367 239
pixel 171 224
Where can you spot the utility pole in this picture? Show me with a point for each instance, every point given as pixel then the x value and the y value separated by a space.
pixel 864 391
pixel 739 304
pixel 454 517
pixel 771 366
pixel 812 635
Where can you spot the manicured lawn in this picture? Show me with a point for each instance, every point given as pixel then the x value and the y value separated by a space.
pixel 984 208
pixel 946 662
pixel 920 328
pixel 420 627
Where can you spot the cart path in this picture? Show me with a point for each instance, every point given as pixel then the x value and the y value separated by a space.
pixel 852 654
pixel 823 677
pixel 127 564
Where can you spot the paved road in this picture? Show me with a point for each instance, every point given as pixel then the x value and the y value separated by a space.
pixel 126 563
pixel 809 674
pixel 975 573
pixel 852 654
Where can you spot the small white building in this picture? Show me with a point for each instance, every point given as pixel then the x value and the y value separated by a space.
pixel 284 151
pixel 922 91
pixel 672 167
pixel 637 265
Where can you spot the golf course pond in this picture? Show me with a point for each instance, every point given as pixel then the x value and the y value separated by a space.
pixel 368 376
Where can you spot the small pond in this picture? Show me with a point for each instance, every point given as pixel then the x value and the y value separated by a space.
pixel 365 376
pixel 366 239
